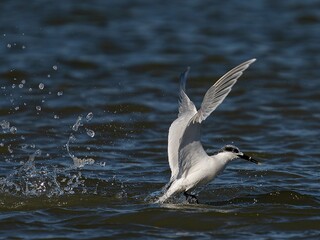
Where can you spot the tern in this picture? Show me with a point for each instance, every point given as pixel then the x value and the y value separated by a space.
pixel 190 165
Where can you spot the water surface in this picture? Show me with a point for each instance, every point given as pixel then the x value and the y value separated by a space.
pixel 89 90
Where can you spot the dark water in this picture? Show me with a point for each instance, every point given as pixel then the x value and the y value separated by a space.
pixel 89 89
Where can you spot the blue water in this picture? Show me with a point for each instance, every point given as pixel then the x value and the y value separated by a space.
pixel 90 88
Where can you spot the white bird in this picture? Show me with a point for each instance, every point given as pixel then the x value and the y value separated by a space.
pixel 190 165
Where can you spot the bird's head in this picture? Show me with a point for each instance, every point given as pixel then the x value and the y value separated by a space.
pixel 231 152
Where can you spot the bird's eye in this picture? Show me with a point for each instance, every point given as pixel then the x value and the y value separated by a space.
pixel 235 150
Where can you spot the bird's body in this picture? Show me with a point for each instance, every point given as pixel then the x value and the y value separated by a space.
pixel 190 165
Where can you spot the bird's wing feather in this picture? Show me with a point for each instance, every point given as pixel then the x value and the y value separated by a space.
pixel 191 150
pixel 218 92
pixel 177 128
pixel 185 104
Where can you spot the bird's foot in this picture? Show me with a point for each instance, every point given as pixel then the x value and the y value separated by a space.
pixel 191 198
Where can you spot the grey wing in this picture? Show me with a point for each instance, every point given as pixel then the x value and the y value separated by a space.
pixel 185 104
pixel 191 150
pixel 218 92
pixel 177 128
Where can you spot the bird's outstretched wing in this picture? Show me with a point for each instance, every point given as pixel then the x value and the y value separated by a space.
pixel 185 104
pixel 218 92
pixel 190 149
pixel 177 128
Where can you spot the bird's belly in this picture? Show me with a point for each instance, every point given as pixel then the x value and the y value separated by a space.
pixel 202 177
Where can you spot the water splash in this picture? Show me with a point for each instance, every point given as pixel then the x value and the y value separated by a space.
pixel 32 178
pixel 13 130
pixel 30 181
pixel 9 149
pixel 71 139
pixel 5 125
pixel 34 155
pixel 80 162
pixel 78 123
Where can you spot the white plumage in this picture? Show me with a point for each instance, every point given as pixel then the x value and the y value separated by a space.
pixel 189 163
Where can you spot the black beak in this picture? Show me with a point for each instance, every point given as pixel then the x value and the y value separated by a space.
pixel 250 159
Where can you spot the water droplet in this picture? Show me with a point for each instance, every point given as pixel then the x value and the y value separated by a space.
pixel 13 85
pixel 49 76
pixel 89 116
pixel 23 81
pixel 60 93
pixel 20 85
pixel 81 162
pixel 9 149
pixel 55 67
pixel 5 124
pixel 72 138
pixel 24 146
pixel 30 89
pixel 75 127
pixel 8 45
pixel 41 86
pixel 38 152
pixel 56 116
pixel 23 47
pixel 90 132
pixel 13 130
pixel 38 108
pixel 16 108
pixel 102 164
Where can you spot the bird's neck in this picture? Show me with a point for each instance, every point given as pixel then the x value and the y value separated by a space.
pixel 223 158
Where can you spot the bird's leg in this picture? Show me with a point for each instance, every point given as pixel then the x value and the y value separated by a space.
pixel 191 198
